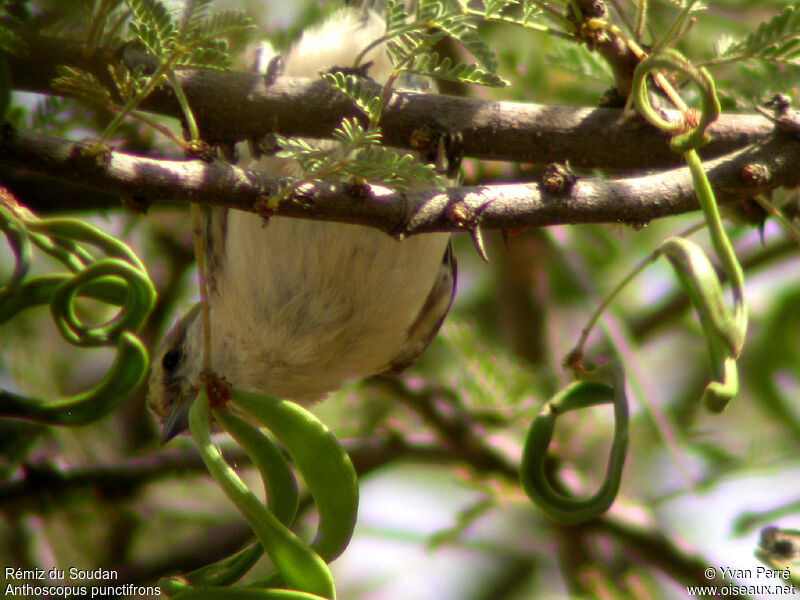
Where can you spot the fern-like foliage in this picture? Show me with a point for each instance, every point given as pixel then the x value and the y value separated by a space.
pixel 404 46
pixel 105 22
pixel 351 134
pixel 367 159
pixel 466 33
pixel 127 83
pixel 495 8
pixel 581 62
pixel 410 42
pixel 312 160
pixel 482 371
pixel 429 11
pixel 776 40
pixel 194 38
pixel 358 154
pixel 75 82
pixel 409 39
pixel 530 11
pixel 395 16
pixel 351 86
pixel 152 25
pixel 196 41
pixel 401 171
pixel 442 68
pixel 205 37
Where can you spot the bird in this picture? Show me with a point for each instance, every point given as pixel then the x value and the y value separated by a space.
pixel 299 307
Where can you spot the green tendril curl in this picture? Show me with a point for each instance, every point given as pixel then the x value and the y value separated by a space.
pixel 117 278
pixel 724 330
pixel 534 475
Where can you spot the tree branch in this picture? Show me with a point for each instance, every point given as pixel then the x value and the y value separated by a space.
pixel 742 174
pixel 230 106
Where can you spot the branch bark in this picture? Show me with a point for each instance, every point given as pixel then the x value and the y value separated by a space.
pixel 739 175
pixel 231 106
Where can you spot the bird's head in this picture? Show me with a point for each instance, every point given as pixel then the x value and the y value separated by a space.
pixel 175 373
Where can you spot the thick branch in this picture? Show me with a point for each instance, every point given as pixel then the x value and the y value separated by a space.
pixel 742 174
pixel 233 105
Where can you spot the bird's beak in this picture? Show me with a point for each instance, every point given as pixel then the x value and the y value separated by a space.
pixel 177 420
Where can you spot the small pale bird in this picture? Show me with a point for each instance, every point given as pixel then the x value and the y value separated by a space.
pixel 299 307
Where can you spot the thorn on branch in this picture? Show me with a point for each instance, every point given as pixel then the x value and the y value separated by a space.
pixel 464 217
pixel 358 188
pixel 477 239
pixel 558 179
pixel 781 104
pixel 755 174
pixel 136 204
pixel 264 207
pixel 782 115
pixel 200 149
pixel 90 157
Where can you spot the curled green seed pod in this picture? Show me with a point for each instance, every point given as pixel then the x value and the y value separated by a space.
pixel 226 571
pixel 279 482
pixel 20 244
pixel 126 373
pixel 320 459
pixel 139 301
pixel 533 476
pixel 73 230
pixel 300 567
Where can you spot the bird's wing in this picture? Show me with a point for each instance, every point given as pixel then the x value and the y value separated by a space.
pixel 430 317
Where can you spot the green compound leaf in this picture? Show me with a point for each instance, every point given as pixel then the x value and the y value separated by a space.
pixel 153 26
pixel 533 476
pixel 395 16
pixel 466 32
pixel 431 65
pixel 82 84
pixel 775 40
pixel 220 23
pixel 351 86
pixel 320 459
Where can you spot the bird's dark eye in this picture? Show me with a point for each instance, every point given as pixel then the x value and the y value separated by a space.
pixel 171 359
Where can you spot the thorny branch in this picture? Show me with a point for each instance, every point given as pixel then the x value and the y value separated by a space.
pixel 231 106
pixel 752 170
